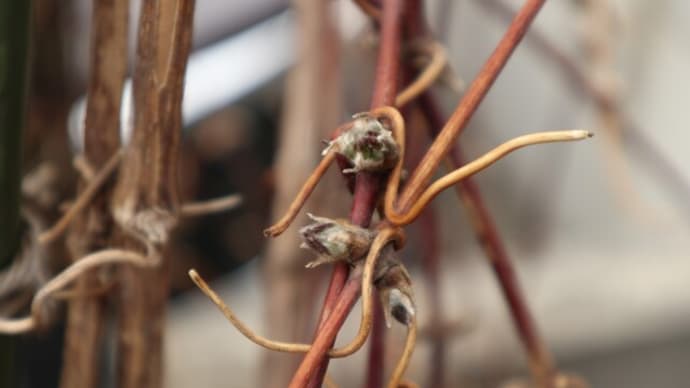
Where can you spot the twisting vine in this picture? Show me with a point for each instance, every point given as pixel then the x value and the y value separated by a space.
pixel 374 143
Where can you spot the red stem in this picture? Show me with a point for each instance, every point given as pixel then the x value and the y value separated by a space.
pixel 579 83
pixel 469 103
pixel 431 265
pixel 375 365
pixel 366 192
pixel 327 332
pixel 540 359
pixel 335 287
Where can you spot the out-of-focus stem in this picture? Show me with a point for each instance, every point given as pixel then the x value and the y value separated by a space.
pixel 92 229
pixel 147 186
pixel 374 376
pixel 431 265
pixel 308 114
pixel 540 360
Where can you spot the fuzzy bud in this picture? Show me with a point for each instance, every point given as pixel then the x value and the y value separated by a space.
pixel 335 240
pixel 395 289
pixel 367 145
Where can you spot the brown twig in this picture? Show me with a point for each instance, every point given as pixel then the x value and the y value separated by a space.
pixel 83 200
pixel 195 209
pixel 146 203
pixel 107 66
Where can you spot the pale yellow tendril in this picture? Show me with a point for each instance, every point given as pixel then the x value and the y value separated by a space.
pixel 384 236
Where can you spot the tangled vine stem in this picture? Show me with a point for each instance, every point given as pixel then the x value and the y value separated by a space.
pixel 417 195
pixel 68 275
pixel 99 179
pixel 402 210
pixel 92 188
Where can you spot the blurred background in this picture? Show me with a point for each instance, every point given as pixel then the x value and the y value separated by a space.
pixel 598 229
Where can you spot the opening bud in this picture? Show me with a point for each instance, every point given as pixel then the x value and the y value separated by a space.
pixel 367 145
pixel 395 290
pixel 335 240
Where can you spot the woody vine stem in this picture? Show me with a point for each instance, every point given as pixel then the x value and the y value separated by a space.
pixel 373 146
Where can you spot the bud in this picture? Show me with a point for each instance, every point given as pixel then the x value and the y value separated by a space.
pixel 335 240
pixel 367 145
pixel 395 289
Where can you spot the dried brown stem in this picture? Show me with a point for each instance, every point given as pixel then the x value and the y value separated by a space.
pixel 76 270
pixel 195 209
pixel 469 103
pixel 107 66
pixel 83 167
pixel 83 200
pixel 146 201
